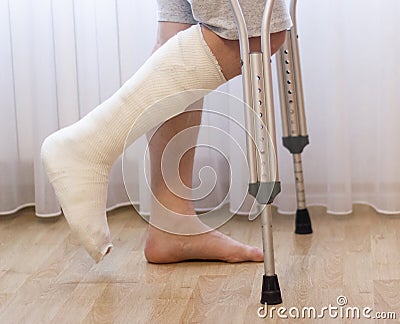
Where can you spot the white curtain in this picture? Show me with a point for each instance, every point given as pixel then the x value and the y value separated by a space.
pixel 59 59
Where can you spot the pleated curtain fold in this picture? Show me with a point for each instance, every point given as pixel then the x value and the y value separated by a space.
pixel 60 59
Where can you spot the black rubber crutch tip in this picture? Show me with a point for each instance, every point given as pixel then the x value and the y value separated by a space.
pixel 271 292
pixel 303 222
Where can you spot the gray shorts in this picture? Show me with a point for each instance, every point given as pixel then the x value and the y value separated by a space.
pixel 217 15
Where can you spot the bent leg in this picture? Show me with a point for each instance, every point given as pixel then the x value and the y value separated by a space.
pixel 78 158
pixel 162 246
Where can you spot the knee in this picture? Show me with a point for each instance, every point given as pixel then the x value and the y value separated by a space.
pixel 277 40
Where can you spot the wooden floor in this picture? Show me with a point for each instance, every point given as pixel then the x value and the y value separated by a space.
pixel 46 278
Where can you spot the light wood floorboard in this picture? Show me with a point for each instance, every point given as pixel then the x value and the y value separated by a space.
pixel 45 277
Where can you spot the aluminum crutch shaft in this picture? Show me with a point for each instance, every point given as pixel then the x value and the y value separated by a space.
pixel 258 94
pixel 247 92
pixel 294 128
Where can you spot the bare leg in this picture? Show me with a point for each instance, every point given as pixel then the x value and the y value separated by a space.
pixel 164 247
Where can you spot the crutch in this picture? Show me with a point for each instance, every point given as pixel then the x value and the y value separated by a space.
pixel 294 128
pixel 258 95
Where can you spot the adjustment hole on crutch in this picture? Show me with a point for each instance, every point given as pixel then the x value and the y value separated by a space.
pixel 290 101
pixel 258 78
pixel 287 62
pixel 260 102
pixel 286 52
pixel 290 92
pixel 259 90
pixel 287 72
pixel 289 82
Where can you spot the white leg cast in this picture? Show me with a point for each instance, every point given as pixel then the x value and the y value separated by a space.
pixel 78 158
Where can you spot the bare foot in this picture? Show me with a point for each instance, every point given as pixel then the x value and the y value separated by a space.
pixel 164 247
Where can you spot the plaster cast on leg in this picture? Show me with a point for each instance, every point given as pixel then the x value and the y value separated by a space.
pixel 78 158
